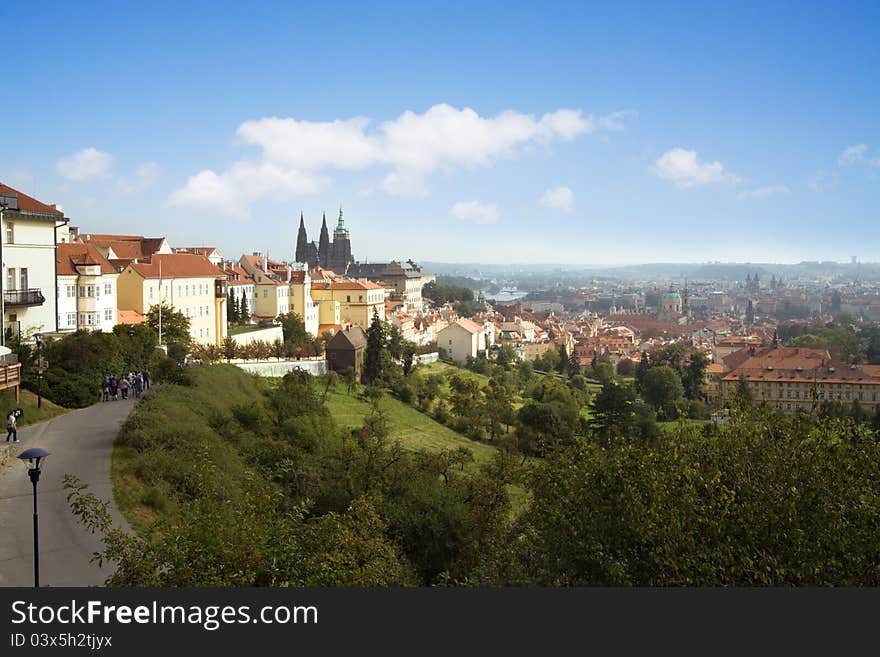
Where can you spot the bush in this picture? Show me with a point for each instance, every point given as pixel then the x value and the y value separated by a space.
pixel 67 389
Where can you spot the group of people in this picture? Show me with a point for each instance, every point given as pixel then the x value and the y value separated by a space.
pixel 112 387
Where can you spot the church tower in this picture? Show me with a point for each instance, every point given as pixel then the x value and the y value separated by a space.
pixel 340 252
pixel 302 241
pixel 324 245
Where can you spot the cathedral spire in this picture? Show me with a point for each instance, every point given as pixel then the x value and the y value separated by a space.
pixel 302 241
pixel 324 244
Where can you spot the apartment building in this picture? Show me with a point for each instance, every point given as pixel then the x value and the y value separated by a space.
pixel 87 284
pixel 187 282
pixel 358 300
pixel 28 235
pixel 792 379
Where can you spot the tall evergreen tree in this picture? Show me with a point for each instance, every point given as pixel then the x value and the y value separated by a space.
pixel 377 357
pixel 243 312
pixel 230 306
pixel 641 370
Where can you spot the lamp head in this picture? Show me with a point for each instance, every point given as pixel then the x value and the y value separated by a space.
pixel 33 458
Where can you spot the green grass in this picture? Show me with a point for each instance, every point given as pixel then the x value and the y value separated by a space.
pixel 447 370
pixel 28 403
pixel 417 431
pixel 411 427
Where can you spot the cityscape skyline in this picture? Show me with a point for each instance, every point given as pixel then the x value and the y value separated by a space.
pixel 685 135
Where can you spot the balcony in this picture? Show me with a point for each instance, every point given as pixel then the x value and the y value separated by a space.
pixel 30 297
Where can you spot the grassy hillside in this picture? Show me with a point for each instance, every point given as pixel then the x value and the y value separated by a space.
pixel 28 403
pixel 416 431
pixel 413 429
pixel 168 441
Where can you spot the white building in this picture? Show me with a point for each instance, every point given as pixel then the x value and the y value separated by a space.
pixel 86 289
pixel 462 338
pixel 27 247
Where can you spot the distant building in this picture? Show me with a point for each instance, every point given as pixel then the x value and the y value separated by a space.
pixel 406 279
pixel 792 379
pixel 335 255
pixel 213 255
pixel 462 338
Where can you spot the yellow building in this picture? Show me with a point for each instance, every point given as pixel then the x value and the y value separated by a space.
pixel 793 379
pixel 187 282
pixel 358 301
pixel 281 288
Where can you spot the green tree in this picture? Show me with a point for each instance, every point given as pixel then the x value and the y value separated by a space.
pixel 376 358
pixel 175 325
pixel 243 310
pixel 612 412
pixel 661 389
pixel 642 370
pixel 694 375
pixel 230 306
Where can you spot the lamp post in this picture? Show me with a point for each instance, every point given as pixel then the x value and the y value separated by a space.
pixel 33 458
pixel 38 338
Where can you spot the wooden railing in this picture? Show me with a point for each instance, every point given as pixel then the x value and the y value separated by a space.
pixel 10 375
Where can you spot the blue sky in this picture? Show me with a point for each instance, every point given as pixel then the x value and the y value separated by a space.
pixel 490 132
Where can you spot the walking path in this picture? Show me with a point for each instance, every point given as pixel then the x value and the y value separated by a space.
pixel 80 443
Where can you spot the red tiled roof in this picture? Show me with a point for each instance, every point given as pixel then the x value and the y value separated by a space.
pixel 29 204
pixel 178 265
pixel 355 285
pixel 67 256
pixel 129 317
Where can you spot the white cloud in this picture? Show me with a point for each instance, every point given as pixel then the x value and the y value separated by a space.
pixel 145 175
pixel 764 192
pixel 232 191
pixel 411 147
pixel 85 164
pixel 558 198
pixel 683 167
pixel 475 212
pixel 852 155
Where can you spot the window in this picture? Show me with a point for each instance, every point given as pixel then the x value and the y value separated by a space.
pixel 265 293
pixel 151 291
pixel 108 314
pixel 71 292
pixel 10 233
pixel 71 319
pixel 108 288
pixel 187 290
pixel 10 278
pixel 348 298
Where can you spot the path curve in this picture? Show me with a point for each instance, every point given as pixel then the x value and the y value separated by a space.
pixel 80 443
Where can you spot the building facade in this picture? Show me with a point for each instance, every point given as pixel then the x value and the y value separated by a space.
pixel 792 379
pixel 28 236
pixel 87 289
pixel 188 283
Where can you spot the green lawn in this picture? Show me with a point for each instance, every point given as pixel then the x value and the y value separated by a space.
pixel 28 403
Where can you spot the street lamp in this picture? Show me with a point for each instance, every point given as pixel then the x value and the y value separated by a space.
pixel 38 338
pixel 33 458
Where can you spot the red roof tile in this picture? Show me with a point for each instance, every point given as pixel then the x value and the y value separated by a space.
pixel 178 265
pixel 29 204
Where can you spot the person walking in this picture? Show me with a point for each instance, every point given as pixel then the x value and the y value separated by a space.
pixel 114 387
pixel 11 431
pixel 123 386
pixel 146 375
pixel 105 388
pixel 138 384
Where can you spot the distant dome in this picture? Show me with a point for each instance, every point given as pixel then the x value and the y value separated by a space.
pixel 671 297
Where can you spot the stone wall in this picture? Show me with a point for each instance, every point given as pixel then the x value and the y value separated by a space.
pixel 278 368
pixel 424 359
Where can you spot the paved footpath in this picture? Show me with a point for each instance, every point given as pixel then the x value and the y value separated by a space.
pixel 80 443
